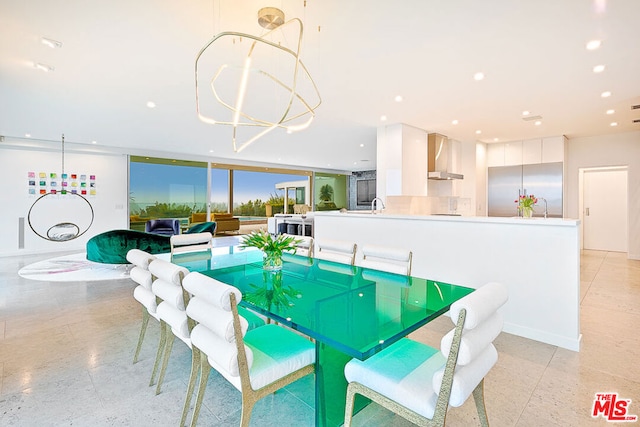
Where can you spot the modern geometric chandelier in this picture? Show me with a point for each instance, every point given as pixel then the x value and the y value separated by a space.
pixel 257 83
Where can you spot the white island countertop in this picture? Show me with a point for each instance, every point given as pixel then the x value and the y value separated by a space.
pixel 487 219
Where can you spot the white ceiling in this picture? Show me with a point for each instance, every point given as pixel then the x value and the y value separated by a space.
pixel 117 55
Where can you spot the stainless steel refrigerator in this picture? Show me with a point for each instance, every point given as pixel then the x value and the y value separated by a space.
pixel 506 183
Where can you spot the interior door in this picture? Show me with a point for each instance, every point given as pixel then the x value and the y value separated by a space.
pixel 605 210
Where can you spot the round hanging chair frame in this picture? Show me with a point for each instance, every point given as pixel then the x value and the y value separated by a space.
pixel 66 223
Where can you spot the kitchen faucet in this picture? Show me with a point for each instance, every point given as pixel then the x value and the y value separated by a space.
pixel 545 206
pixel 373 204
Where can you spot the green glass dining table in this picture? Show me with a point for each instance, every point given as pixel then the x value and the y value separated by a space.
pixel 348 311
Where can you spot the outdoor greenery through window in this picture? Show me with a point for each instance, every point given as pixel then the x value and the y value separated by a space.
pixel 330 191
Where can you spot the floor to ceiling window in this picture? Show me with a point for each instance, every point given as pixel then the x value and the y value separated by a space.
pixel 165 188
pixel 257 193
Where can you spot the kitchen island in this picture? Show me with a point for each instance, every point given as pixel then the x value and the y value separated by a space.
pixel 538 260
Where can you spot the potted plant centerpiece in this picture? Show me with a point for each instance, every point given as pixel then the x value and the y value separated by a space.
pixel 271 246
pixel 526 204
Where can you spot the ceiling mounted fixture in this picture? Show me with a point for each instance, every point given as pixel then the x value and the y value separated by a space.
pixel 593 44
pixel 257 86
pixel 270 17
pixel 530 118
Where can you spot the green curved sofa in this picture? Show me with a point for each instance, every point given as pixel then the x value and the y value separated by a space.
pixel 111 247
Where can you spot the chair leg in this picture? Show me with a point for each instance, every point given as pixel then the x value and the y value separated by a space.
pixel 165 361
pixel 143 330
pixel 478 397
pixel 161 345
pixel 348 410
pixel 195 367
pixel 205 368
pixel 247 408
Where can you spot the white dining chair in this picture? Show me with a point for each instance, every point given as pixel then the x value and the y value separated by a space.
pixel 256 362
pixel 392 260
pixel 142 293
pixel 167 287
pixel 304 245
pixel 418 382
pixel 193 242
pixel 336 251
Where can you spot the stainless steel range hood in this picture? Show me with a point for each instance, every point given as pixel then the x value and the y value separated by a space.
pixel 439 156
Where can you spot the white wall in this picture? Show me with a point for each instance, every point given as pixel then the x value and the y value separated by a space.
pixel 608 150
pixel 109 204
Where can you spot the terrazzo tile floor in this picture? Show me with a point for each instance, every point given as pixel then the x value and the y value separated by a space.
pixel 66 352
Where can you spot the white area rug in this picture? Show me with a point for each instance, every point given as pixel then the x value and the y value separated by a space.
pixel 74 268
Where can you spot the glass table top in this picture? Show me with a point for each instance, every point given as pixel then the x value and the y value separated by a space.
pixel 356 310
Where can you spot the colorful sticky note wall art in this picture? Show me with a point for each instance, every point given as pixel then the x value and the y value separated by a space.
pixel 57 183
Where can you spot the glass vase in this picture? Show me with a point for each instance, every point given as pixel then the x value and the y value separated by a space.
pixel 271 261
pixel 527 212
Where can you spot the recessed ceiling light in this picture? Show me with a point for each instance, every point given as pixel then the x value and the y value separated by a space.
pixel 355 163
pixel 27 135
pixel 598 68
pixel 398 98
pixel 211 151
pixel 478 132
pixel 526 113
pixel 538 123
pixel 94 142
pixel 454 122
pixel 151 104
pixel 383 118
pixel 614 124
pixel 593 44
pixel 43 67
pixel 605 94
pixel 495 140
pixel 361 145
pixel 53 44
pixel 611 111
pixel 478 76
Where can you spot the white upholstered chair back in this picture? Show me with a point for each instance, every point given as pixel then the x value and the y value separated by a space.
pixel 478 323
pixel 214 332
pixel 392 260
pixel 336 251
pixel 142 292
pixel 192 242
pixel 257 362
pixel 304 247
pixel 167 287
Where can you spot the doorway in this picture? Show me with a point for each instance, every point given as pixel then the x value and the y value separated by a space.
pixel 604 209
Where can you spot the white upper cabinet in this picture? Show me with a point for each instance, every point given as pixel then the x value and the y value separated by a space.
pixel 553 149
pixel 513 153
pixel 495 155
pixel 532 151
